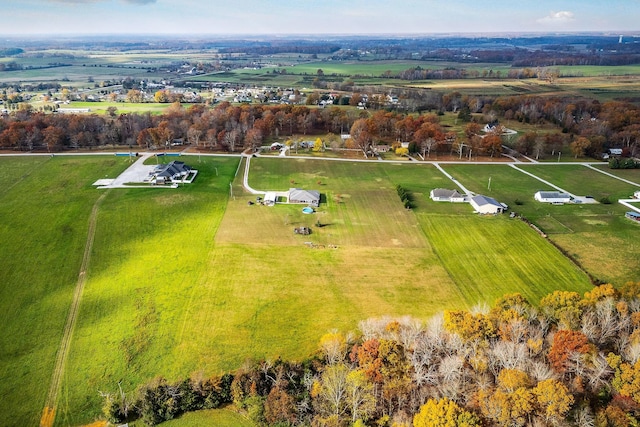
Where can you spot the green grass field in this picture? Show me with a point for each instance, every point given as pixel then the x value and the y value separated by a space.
pixel 193 280
pixel 207 418
pixel 597 235
pixel 43 227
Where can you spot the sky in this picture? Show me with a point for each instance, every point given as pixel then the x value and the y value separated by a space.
pixel 236 17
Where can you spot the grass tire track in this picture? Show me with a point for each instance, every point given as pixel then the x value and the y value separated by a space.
pixel 49 412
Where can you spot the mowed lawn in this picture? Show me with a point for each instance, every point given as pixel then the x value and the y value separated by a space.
pixel 46 203
pixel 597 235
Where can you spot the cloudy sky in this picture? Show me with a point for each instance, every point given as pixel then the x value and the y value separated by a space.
pixel 315 16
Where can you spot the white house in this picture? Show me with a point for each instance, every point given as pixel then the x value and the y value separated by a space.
pixel 486 205
pixel 444 195
pixel 552 197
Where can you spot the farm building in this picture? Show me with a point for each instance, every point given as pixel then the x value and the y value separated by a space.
pixel 444 195
pixel 171 172
pixel 635 216
pixel 307 197
pixel 270 198
pixel 486 205
pixel 552 197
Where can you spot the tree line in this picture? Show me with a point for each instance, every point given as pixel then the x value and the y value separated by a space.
pixel 570 360
pixel 587 126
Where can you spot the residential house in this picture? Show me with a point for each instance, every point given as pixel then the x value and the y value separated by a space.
pixel 307 197
pixel 171 172
pixel 444 195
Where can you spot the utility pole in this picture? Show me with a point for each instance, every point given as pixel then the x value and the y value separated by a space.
pixel 489 186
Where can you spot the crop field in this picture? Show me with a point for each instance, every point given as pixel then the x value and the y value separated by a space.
pixel 198 279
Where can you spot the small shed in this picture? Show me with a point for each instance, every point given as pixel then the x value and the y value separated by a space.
pixel 552 197
pixel 486 205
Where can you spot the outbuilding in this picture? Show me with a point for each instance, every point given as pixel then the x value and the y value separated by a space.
pixel 270 198
pixel 552 197
pixel 634 216
pixel 486 205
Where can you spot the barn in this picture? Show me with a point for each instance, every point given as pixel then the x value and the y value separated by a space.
pixel 552 197
pixel 486 205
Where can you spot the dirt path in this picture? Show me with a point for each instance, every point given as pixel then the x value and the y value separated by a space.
pixel 49 412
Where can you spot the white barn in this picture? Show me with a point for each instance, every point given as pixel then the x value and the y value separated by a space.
pixel 444 195
pixel 486 205
pixel 552 197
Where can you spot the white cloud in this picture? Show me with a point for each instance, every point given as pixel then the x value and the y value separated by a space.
pixel 561 17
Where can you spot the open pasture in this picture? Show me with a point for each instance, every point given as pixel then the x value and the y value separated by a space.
pixel 46 203
pixel 193 280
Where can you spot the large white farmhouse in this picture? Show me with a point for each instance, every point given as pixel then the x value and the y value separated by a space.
pixel 552 197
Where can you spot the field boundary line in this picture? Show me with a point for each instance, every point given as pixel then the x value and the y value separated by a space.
pixel 49 412
pixel 612 175
pixel 540 179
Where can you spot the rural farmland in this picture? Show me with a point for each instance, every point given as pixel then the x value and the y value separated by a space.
pixel 195 280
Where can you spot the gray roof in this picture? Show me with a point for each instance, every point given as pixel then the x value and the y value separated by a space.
pixel 481 200
pixel 172 169
pixel 442 192
pixel 306 195
pixel 553 195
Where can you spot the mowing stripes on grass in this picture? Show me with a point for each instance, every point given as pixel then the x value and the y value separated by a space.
pixel 488 257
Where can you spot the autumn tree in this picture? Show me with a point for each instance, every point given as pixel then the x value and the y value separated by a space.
pixel 445 413
pixel 329 392
pixel 565 344
pixel 579 146
pixel 469 326
pixel 553 400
